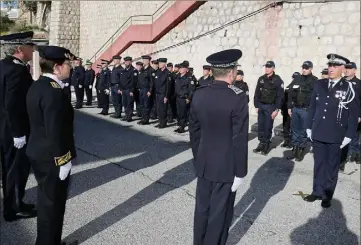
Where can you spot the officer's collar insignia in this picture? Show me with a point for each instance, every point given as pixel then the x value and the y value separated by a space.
pixel 18 62
pixel 235 89
pixel 55 85
pixel 332 57
pixel 261 81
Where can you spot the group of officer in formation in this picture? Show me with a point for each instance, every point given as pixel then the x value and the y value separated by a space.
pixel 36 123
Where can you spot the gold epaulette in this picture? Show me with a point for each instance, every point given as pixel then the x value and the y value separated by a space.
pixel 59 161
pixel 55 85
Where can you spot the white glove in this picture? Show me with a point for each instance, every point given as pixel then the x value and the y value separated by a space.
pixel 345 142
pixel 236 183
pixel 106 91
pixel 64 171
pixel 19 142
pixel 66 84
pixel 309 134
pixel 80 86
pixel 90 86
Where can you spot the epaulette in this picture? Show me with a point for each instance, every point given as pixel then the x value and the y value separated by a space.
pixel 55 85
pixel 235 89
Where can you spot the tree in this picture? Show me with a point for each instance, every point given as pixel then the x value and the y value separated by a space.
pixel 5 24
pixel 39 10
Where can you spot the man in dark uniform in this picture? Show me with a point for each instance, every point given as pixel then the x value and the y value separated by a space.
pixel 97 75
pixel 145 86
pixel 268 102
pixel 239 83
pixel 128 81
pixel 77 80
pixel 286 118
pixel 220 148
pixel 51 144
pixel 331 124
pixel 183 90
pixel 170 67
pixel 206 78
pixel 89 77
pixel 172 105
pixel 324 73
pixel 162 84
pixel 299 98
pixel 192 77
pixel 67 83
pixel 176 70
pixel 116 91
pixel 153 104
pixel 138 67
pixel 104 86
pixel 15 80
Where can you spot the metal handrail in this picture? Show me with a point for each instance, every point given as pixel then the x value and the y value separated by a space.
pixel 127 23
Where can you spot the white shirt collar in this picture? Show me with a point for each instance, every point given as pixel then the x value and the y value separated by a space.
pixel 334 82
pixel 52 76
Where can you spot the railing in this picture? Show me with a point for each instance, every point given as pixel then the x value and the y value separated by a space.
pixel 135 19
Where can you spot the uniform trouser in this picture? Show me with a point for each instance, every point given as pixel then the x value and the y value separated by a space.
pixel 354 146
pixel 144 104
pixel 153 107
pixel 67 91
pixel 213 212
pixel 104 100
pixel 286 124
pixel 128 102
pixel 116 100
pixel 265 122
pixel 15 172
pixel 161 109
pixel 137 102
pixel 182 112
pixel 51 199
pixel 89 94
pixel 172 108
pixel 299 136
pixel 79 93
pixel 327 157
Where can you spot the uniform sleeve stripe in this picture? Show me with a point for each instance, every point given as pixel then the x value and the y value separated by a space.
pixel 59 161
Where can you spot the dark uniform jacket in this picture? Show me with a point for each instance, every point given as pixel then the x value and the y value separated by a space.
pixel 116 75
pixel 89 77
pixel 105 77
pixel 15 80
pixel 97 75
pixel 67 83
pixel 51 122
pixel 183 87
pixel 356 83
pixel 300 91
pixel 269 90
pixel 242 85
pixel 205 80
pixel 128 79
pixel 218 127
pixel 77 77
pixel 329 123
pixel 145 79
pixel 163 82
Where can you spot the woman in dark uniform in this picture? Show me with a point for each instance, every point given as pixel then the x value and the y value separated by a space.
pixel 51 143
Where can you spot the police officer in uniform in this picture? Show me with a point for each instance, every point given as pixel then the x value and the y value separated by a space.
pixel 239 83
pixel 145 86
pixel 51 144
pixel 97 75
pixel 77 80
pixel 67 81
pixel 105 78
pixel 192 77
pixel 324 73
pixel 176 70
pixel 115 87
pixel 88 83
pixel 128 82
pixel 331 124
pixel 162 86
pixel 15 80
pixel 267 101
pixel 170 67
pixel 153 104
pixel 206 78
pixel 138 67
pixel 220 148
pixel 172 104
pixel 299 98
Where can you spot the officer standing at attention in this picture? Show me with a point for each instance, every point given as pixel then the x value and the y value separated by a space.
pixel 170 67
pixel 206 78
pixel 145 86
pixel 138 67
pixel 191 75
pixel 220 148
pixel 299 99
pixel 15 80
pixel 331 124
pixel 176 71
pixel 51 119
pixel 239 83
pixel 183 90
pixel 267 101
pixel 171 111
pixel 153 104
pixel 128 82
pixel 115 87
pixel 162 84
pixel 105 78
pixel 88 82
pixel 97 75
pixel 77 80
pixel 67 81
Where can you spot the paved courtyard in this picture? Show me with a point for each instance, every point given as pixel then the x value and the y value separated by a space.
pixel 135 184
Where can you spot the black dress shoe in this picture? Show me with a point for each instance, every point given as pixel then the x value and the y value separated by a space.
pixel 157 126
pixel 176 130
pixel 312 198
pixel 129 120
pixel 140 123
pixel 342 167
pixel 123 119
pixel 115 116
pixel 20 215
pixel 265 149
pixel 27 207
pixel 326 203
pixel 259 148
pixel 299 154
pixel 181 131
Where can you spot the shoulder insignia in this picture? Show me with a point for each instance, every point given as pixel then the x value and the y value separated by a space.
pixel 281 85
pixel 262 81
pixel 235 89
pixel 59 161
pixel 192 82
pixel 55 85
pixel 247 93
pixel 18 62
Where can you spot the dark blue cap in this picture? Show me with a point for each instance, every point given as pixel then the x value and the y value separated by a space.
pixel 270 64
pixel 240 72
pixel 128 58
pixel 117 57
pixel 162 60
pixel 103 61
pixel 177 65
pixel 295 74
pixel 139 63
pixel 336 59
pixel 206 67
pixel 155 62
pixel 307 65
pixel 54 53
pixel 170 65
pixel 146 57
pixel 351 65
pixel 183 65
pixel 225 59
pixel 21 38
pixel 324 71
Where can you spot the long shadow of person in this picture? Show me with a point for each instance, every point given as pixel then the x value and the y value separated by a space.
pixel 172 179
pixel 329 228
pixel 269 179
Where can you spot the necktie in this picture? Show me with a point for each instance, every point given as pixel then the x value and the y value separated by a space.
pixel 330 86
